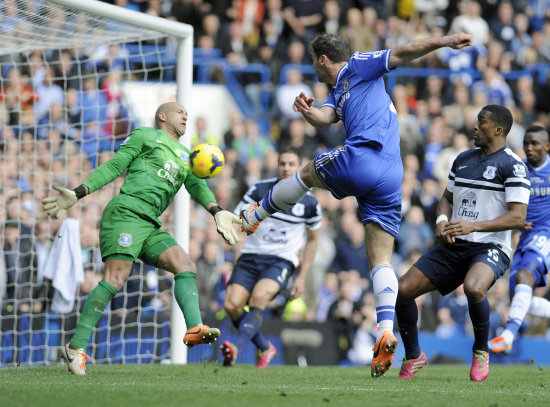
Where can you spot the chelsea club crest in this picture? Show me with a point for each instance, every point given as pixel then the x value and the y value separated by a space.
pixel 345 85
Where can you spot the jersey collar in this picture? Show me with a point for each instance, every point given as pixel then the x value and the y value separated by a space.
pixel 542 166
pixel 340 73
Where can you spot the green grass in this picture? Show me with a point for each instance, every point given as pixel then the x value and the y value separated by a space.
pixel 205 385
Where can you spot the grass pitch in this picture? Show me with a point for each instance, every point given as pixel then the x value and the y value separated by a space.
pixel 209 384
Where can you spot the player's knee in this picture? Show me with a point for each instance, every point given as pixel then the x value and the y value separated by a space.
pixel 405 291
pixel 116 279
pixel 475 291
pixel 260 299
pixel 232 309
pixel 525 276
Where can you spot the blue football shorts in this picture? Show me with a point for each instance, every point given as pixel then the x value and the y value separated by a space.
pixel 373 177
pixel 446 265
pixel 251 268
pixel 533 256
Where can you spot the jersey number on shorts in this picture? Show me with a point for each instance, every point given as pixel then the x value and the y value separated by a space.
pixel 282 277
pixel 492 256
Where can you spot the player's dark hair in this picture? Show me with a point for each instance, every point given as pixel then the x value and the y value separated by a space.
pixel 538 129
pixel 501 116
pixel 331 45
pixel 291 150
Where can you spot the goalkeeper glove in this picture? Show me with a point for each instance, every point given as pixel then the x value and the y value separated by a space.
pixel 224 222
pixel 59 204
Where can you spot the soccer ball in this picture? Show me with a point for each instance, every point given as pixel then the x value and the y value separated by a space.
pixel 206 160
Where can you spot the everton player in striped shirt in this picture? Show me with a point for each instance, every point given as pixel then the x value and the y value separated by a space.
pixel 486 196
pixel 369 164
pixel 268 259
pixel 532 257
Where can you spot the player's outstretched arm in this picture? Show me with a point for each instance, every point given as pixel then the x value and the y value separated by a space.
pixel 224 223
pixel 59 204
pixel 416 49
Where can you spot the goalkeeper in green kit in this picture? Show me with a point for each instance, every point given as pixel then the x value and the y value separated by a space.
pixel 130 229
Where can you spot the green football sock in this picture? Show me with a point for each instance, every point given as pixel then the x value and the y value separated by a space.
pixel 95 304
pixel 187 296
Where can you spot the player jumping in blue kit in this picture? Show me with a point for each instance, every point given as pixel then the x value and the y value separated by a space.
pixel 369 164
pixel 532 257
pixel 486 196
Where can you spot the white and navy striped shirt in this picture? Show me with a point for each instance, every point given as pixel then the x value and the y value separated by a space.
pixel 283 234
pixel 482 187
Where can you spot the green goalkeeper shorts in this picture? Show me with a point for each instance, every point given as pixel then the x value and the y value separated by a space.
pixel 124 235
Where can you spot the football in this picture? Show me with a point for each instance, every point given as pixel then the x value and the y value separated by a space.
pixel 206 160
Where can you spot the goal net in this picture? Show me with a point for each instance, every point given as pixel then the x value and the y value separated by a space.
pixel 63 111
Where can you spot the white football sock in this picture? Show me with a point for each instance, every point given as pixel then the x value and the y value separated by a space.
pixel 518 309
pixel 540 307
pixel 283 195
pixel 384 284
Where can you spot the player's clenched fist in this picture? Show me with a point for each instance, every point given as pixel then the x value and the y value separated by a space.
pixel 302 103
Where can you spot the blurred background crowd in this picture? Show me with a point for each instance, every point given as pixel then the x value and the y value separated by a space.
pixel 62 114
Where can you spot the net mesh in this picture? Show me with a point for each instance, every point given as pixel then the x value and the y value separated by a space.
pixel 63 111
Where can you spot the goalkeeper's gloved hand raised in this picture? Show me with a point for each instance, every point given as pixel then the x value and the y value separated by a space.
pixel 224 222
pixel 59 204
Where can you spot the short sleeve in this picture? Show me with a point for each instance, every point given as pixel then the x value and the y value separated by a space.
pixel 370 65
pixel 517 184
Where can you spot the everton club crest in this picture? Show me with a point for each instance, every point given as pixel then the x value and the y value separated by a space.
pixel 490 172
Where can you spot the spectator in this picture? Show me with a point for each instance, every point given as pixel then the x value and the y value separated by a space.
pixel 202 134
pixel 92 102
pixel 427 198
pixel 358 34
pixel 445 159
pixel 503 25
pixel 295 136
pixel 252 144
pixel 471 22
pixel 350 251
pixel 452 314
pixel 20 268
pixel 250 14
pixel 208 272
pixel 285 94
pixel 331 17
pixel 494 86
pixel 303 18
pixel 414 233
pixel 48 93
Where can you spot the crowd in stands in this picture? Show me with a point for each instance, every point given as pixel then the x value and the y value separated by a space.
pixel 56 127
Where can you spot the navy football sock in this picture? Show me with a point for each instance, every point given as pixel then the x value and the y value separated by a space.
pixel 258 339
pixel 249 326
pixel 479 314
pixel 407 319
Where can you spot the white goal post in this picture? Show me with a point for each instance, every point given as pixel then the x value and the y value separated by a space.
pixel 132 26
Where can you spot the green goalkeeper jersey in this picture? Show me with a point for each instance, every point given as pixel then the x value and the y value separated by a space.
pixel 157 168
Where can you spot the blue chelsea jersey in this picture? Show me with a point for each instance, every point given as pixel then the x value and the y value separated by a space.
pixel 538 210
pixel 360 100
